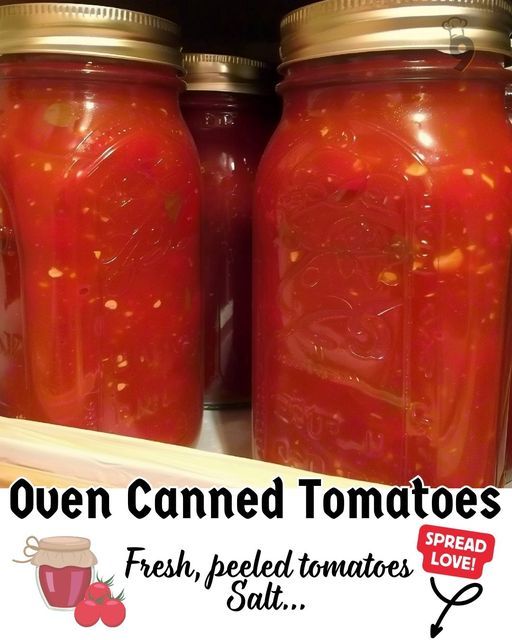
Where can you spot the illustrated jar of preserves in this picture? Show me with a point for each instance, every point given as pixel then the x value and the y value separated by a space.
pixel 230 111
pixel 100 178
pixel 64 567
pixel 382 245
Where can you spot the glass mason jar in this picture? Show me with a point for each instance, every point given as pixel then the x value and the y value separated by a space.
pixel 382 245
pixel 508 455
pixel 100 178
pixel 231 113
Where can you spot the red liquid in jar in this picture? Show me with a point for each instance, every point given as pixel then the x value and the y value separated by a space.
pixel 64 588
pixel 100 179
pixel 382 254
pixel 508 454
pixel 230 131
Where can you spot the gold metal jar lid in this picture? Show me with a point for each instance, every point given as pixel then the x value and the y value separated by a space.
pixel 212 72
pixel 339 27
pixel 88 30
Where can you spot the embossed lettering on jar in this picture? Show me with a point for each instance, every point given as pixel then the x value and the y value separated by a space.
pixel 382 247
pixel 100 179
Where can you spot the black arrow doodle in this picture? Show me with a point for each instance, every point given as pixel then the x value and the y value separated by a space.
pixel 435 629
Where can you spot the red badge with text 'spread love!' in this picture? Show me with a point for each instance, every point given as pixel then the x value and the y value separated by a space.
pixel 455 552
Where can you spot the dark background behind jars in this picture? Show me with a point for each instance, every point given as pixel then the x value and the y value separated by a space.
pixel 239 27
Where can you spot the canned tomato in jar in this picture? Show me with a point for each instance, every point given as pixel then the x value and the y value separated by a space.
pixel 100 179
pixel 382 244
pixel 231 112
pixel 508 454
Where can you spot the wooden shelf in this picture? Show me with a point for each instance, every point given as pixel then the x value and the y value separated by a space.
pixel 60 456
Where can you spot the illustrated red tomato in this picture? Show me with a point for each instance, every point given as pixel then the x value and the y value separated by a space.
pixel 113 612
pixel 87 613
pixel 100 591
